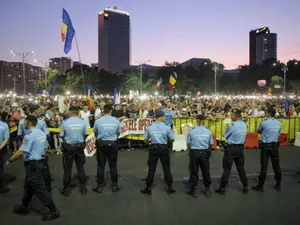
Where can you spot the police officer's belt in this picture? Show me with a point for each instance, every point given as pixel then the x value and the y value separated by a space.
pixel 236 145
pixel 199 149
pixel 156 145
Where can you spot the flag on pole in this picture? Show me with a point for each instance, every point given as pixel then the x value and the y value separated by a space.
pixel 67 31
pixel 89 97
pixel 51 91
pixel 269 92
pixel 198 93
pixel 173 79
pixel 159 82
pixel 117 99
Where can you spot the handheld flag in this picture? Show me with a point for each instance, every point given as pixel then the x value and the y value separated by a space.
pixel 89 97
pixel 117 99
pixel 198 93
pixel 269 92
pixel 173 79
pixel 67 32
pixel 159 82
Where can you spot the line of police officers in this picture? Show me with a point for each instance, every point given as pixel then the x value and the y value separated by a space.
pixel 158 135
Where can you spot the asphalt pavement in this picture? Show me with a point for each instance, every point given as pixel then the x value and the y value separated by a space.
pixel 130 207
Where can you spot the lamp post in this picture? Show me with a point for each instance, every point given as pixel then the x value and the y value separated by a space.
pixel 284 69
pixel 215 69
pixel 46 67
pixel 141 74
pixel 23 56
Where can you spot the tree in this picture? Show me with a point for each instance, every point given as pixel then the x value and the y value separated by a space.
pixel 51 74
pixel 277 81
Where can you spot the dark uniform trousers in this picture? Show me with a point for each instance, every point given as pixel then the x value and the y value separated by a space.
pixel 234 153
pixel 269 151
pixel 199 158
pixel 157 151
pixel 170 143
pixel 35 183
pixel 47 174
pixel 71 153
pixel 2 155
pixel 107 151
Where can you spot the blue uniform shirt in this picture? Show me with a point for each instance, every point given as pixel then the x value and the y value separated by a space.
pixel 34 145
pixel 41 124
pixel 4 131
pixel 169 114
pixel 159 133
pixel 73 130
pixel 270 130
pixel 200 138
pixel 236 133
pixel 107 128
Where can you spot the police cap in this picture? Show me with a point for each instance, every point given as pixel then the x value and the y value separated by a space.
pixel 32 119
pixel 236 111
pixel 159 113
pixel 201 117
pixel 74 108
pixel 33 107
pixel 272 111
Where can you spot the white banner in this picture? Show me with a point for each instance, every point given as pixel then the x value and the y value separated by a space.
pixel 134 126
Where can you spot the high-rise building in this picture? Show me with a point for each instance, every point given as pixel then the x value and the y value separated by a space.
pixel 11 77
pixel 62 64
pixel 262 46
pixel 113 40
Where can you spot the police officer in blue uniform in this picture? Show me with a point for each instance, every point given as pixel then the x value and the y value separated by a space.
pixel 33 150
pixel 199 142
pixel 269 144
pixel 74 132
pixel 169 115
pixel 107 130
pixel 233 152
pixel 159 134
pixel 41 124
pixel 4 137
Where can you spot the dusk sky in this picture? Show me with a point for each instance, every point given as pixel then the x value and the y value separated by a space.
pixel 161 30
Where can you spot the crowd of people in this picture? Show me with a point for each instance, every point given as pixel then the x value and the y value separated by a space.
pixel 31 129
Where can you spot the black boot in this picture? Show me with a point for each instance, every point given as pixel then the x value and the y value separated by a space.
pixel 207 192
pixel 146 191
pixel 277 186
pixel 258 188
pixel 21 209
pixel 192 192
pixel 65 192
pixel 220 190
pixel 52 214
pixel 4 190
pixel 99 188
pixel 115 188
pixel 245 189
pixel 170 189
pixel 83 189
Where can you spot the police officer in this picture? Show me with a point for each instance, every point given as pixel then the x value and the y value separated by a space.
pixel 32 150
pixel 107 130
pixel 41 124
pixel 159 134
pixel 169 115
pixel 199 143
pixel 235 135
pixel 270 130
pixel 74 132
pixel 4 137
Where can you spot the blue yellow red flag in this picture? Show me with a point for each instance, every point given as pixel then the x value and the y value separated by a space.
pixel 173 79
pixel 67 31
pixel 159 82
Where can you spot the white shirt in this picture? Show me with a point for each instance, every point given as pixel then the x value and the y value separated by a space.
pixel 85 116
pixel 97 113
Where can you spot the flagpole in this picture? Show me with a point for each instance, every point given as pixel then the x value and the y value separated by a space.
pixel 80 64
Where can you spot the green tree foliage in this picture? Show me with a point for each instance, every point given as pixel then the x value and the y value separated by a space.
pixel 51 74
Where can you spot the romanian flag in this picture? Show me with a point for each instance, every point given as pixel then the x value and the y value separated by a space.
pixel 198 93
pixel 173 79
pixel 67 31
pixel 89 97
pixel 269 92
pixel 159 82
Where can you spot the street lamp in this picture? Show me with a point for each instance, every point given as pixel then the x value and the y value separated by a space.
pixel 46 67
pixel 141 74
pixel 23 56
pixel 215 68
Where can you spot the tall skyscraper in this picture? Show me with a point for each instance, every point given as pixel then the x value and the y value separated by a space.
pixel 113 40
pixel 262 46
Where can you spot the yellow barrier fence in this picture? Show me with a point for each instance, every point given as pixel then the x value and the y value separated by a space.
pixel 217 126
